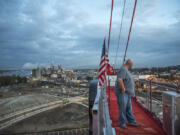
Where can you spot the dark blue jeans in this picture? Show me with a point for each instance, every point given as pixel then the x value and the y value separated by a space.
pixel 125 108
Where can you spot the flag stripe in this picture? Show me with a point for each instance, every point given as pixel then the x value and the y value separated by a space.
pixel 103 66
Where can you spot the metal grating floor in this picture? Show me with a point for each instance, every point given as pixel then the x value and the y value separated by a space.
pixel 149 126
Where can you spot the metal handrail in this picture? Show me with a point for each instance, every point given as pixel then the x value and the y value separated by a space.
pixel 159 85
pixel 149 95
pixel 101 108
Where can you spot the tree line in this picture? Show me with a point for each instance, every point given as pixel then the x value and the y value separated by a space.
pixel 10 80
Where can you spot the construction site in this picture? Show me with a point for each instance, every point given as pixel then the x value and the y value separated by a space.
pixel 28 108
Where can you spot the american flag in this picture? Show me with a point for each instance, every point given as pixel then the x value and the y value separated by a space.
pixel 104 63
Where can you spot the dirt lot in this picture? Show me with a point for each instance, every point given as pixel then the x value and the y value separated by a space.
pixel 14 104
pixel 24 89
pixel 68 117
pixel 18 97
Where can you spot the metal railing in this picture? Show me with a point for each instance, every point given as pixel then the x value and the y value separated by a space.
pixel 153 103
pixel 153 99
pixel 101 117
pixel 111 79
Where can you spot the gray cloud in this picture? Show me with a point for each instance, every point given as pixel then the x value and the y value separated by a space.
pixel 71 32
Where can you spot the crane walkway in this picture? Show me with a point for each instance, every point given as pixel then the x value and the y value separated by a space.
pixel 149 126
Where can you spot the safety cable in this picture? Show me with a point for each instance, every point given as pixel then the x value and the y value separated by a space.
pixel 130 31
pixel 119 38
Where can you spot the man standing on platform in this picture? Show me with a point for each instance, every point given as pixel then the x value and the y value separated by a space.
pixel 124 89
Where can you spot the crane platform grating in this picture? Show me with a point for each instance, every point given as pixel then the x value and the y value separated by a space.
pixel 149 126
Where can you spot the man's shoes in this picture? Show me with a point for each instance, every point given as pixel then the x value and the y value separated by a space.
pixel 134 124
pixel 123 126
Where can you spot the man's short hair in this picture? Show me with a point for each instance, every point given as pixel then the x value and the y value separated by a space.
pixel 129 61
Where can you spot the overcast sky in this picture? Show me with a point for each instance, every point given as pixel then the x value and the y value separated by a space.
pixel 71 32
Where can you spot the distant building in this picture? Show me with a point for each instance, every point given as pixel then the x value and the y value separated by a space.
pixel 136 77
pixel 52 67
pixel 173 71
pixel 36 73
pixel 178 73
pixel 54 76
pixel 164 75
pixel 51 74
pixel 43 71
pixel 59 70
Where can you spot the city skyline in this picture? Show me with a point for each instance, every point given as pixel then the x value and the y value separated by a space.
pixel 71 33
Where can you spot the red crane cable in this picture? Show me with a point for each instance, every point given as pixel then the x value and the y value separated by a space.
pixel 110 24
pixel 130 30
